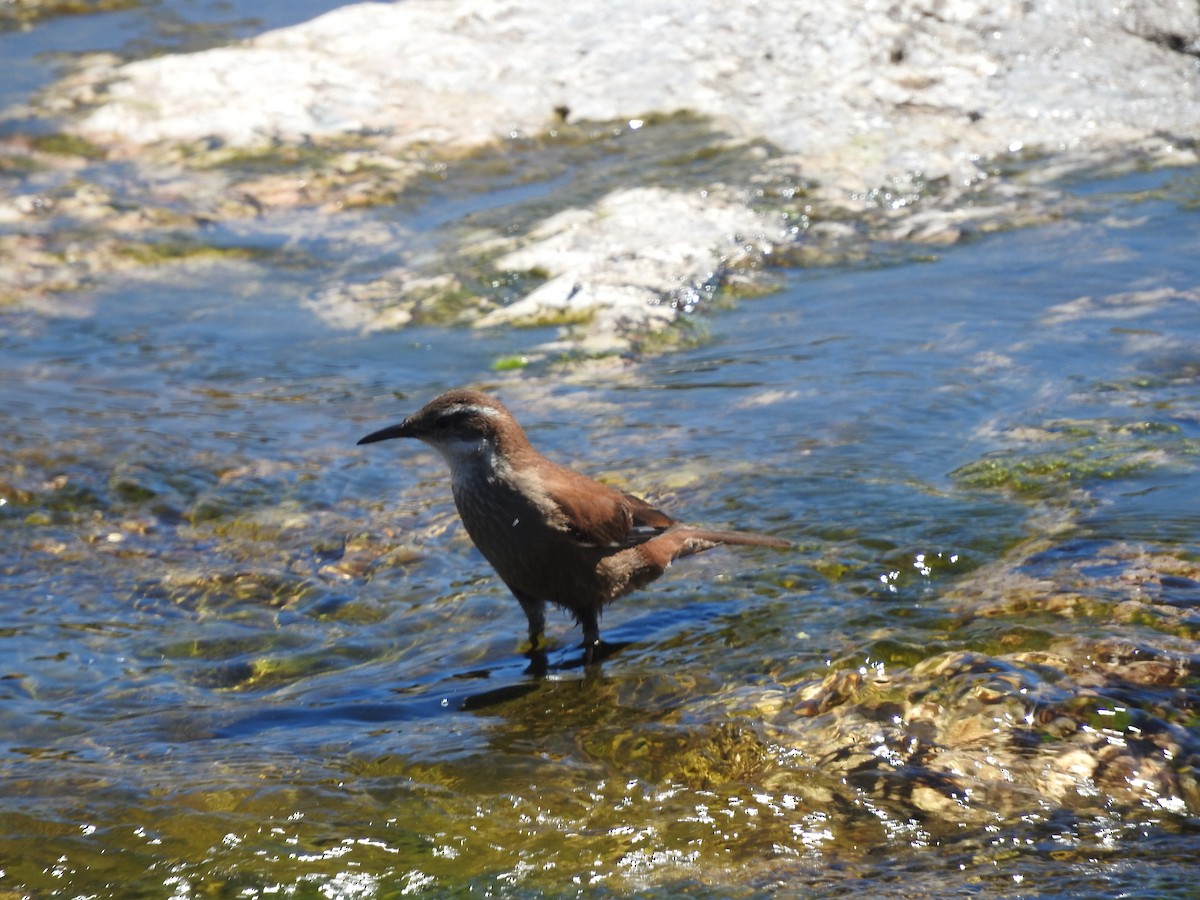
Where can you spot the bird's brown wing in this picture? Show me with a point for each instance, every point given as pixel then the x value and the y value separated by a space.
pixel 600 516
pixel 648 520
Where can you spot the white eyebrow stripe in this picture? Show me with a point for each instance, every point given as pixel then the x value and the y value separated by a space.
pixel 489 411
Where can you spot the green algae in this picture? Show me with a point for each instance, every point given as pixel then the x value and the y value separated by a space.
pixel 1045 473
pixel 272 157
pixel 1081 452
pixel 179 249
pixel 510 363
pixel 678 151
pixel 29 12
pixel 70 145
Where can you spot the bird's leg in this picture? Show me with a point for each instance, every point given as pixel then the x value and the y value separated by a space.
pixel 539 663
pixel 592 646
pixel 535 612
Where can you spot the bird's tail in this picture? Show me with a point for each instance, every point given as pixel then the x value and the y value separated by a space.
pixel 656 554
pixel 684 540
pixel 738 537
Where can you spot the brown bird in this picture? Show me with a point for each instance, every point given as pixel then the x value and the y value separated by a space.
pixel 551 534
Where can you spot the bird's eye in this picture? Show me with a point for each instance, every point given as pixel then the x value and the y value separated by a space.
pixel 449 420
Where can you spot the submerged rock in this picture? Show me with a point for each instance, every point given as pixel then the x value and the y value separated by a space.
pixel 1091 714
pixel 973 737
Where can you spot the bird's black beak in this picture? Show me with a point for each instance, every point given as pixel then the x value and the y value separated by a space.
pixel 404 429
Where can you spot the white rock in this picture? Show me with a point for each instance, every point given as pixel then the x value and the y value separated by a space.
pixel 864 90
pixel 630 252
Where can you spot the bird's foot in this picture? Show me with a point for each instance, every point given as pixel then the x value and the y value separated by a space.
pixel 595 652
pixel 539 662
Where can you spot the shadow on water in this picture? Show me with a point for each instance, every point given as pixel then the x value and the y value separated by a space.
pixel 458 690
pixel 325 716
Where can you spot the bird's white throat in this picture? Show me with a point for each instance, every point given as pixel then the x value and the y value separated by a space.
pixel 473 461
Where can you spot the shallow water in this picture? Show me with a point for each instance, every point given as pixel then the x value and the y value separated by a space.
pixel 243 656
